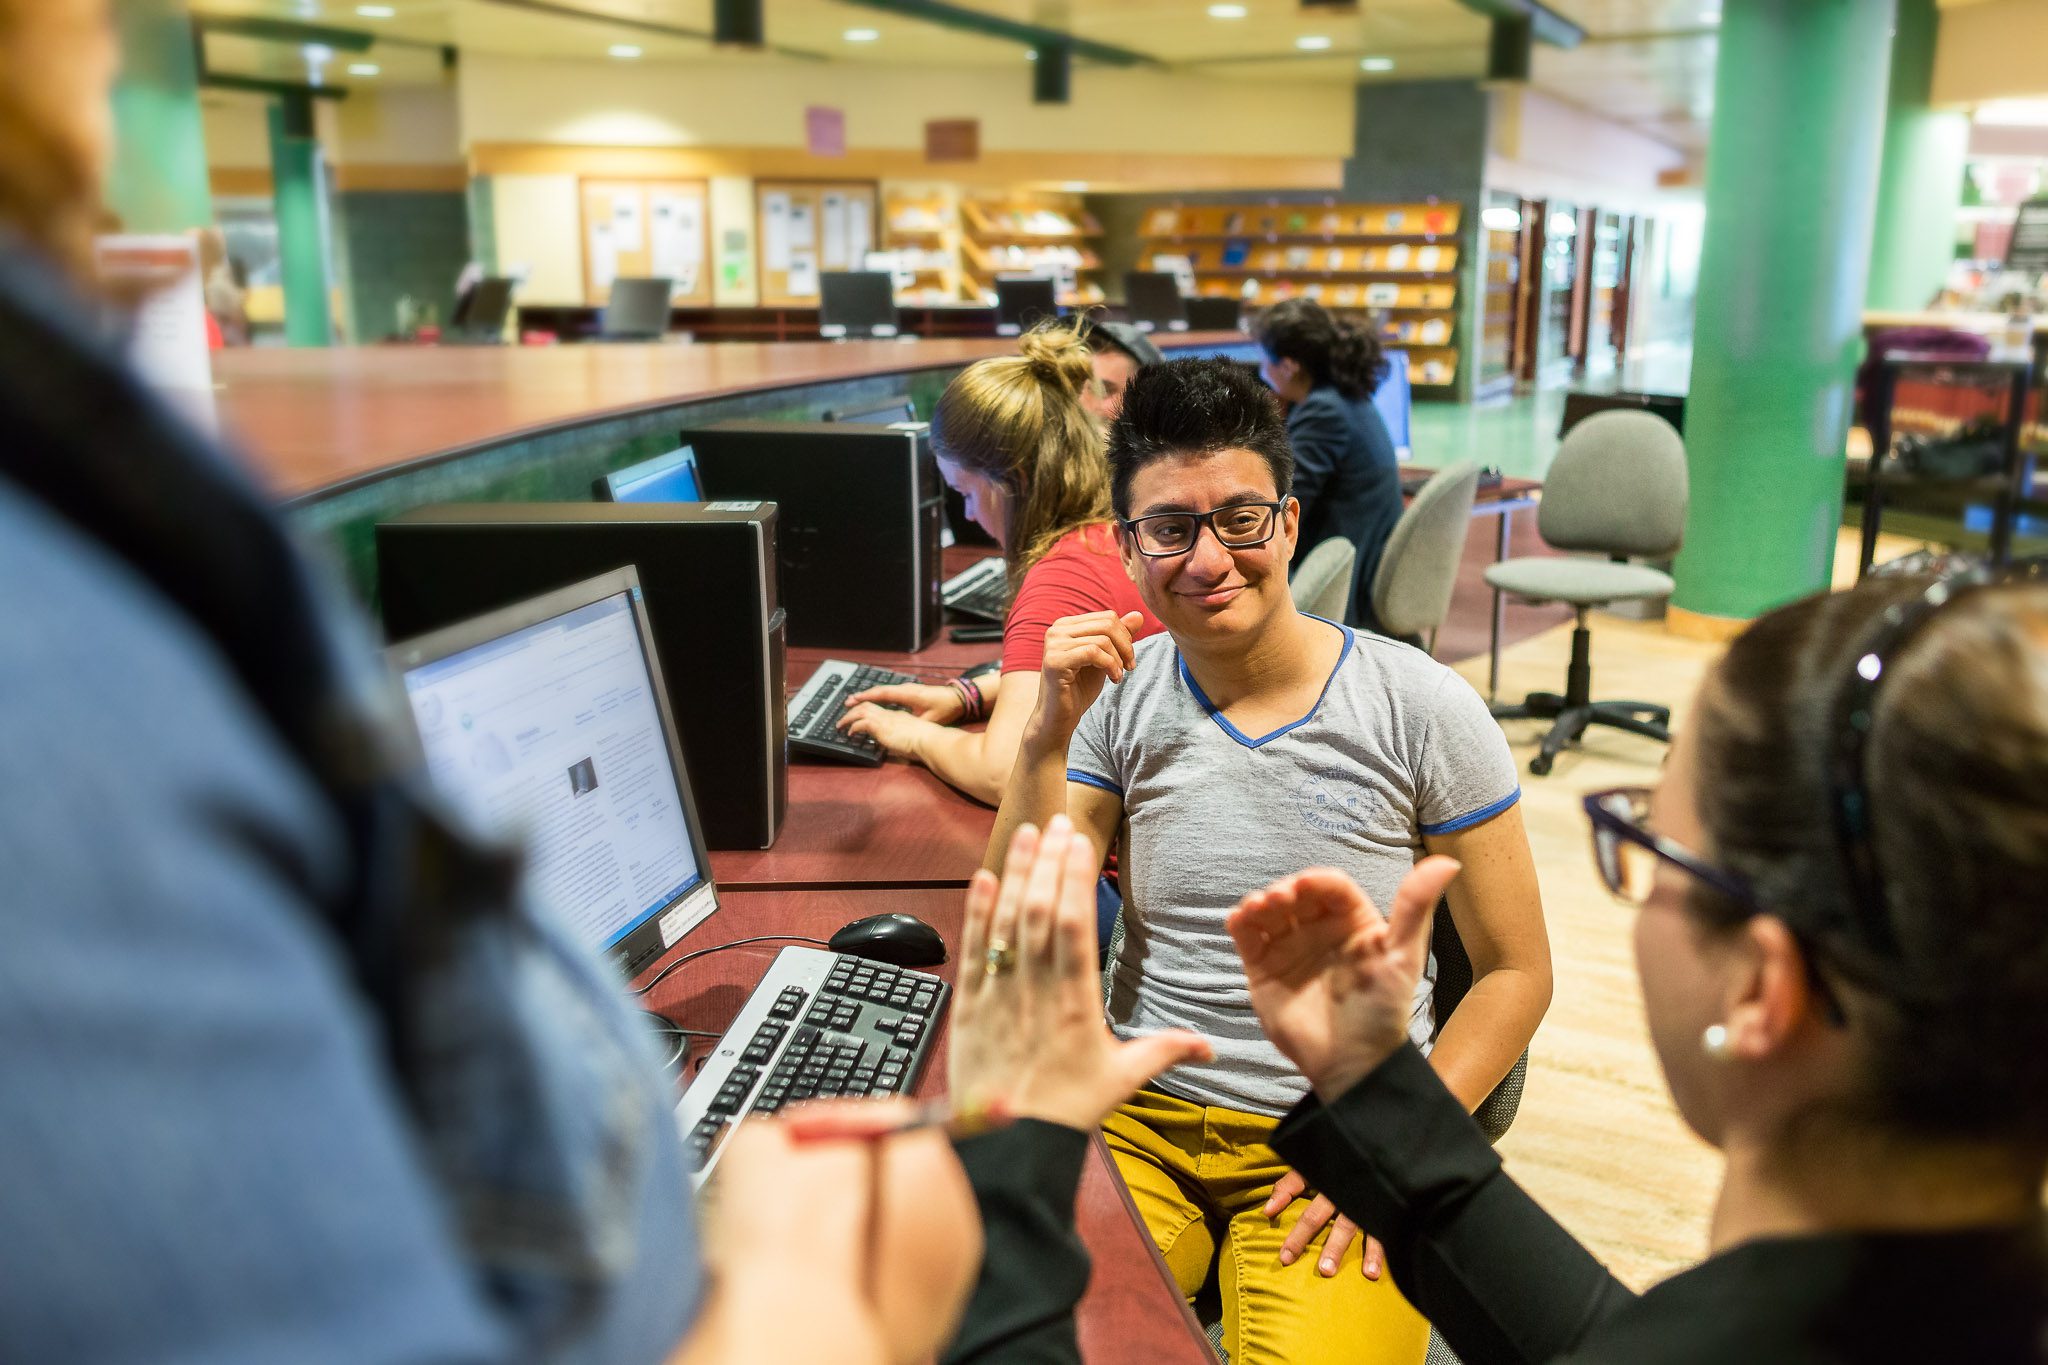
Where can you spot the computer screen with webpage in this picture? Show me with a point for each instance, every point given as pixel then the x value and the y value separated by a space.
pixel 551 734
pixel 665 478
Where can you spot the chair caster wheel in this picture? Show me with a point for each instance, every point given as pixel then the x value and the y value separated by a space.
pixel 1540 765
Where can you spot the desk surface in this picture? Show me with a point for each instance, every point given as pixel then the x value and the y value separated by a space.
pixel 1132 1312
pixel 316 418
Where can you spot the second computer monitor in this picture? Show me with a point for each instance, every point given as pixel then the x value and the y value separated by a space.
pixel 1024 301
pixel 665 478
pixel 1155 302
pixel 899 410
pixel 860 303
pixel 482 310
pixel 638 310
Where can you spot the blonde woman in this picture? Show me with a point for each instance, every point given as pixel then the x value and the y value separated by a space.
pixel 1014 438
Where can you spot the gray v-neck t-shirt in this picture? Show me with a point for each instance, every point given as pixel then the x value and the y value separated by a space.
pixel 1398 746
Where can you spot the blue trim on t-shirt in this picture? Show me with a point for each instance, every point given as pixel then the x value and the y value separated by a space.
pixel 1091 780
pixel 1483 814
pixel 1240 735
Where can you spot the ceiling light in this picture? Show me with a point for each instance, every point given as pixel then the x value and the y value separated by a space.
pixel 1501 218
pixel 1376 64
pixel 861 35
pixel 2013 113
pixel 317 53
pixel 1563 224
pixel 363 68
pixel 1226 11
pixel 1075 187
pixel 625 52
pixel 1314 42
pixel 375 11
pixel 1031 54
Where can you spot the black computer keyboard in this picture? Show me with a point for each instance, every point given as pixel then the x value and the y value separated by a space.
pixel 982 589
pixel 815 710
pixel 819 1025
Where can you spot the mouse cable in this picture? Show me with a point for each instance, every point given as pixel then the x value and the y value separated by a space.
pixel 719 948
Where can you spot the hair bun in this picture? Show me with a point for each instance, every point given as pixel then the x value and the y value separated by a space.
pixel 1059 357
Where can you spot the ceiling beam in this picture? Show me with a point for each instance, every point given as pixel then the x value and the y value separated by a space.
pixel 257 85
pixel 284 31
pixel 966 20
pixel 1546 25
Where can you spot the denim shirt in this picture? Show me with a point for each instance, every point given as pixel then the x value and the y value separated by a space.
pixel 289 1070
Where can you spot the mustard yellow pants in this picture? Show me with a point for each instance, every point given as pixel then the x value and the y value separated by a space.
pixel 1200 1177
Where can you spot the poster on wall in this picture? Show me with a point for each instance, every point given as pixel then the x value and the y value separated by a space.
pixel 604 257
pixel 803 274
pixel 735 263
pixel 833 253
pixel 860 216
pixel 627 232
pixel 775 231
pixel 678 232
pixel 803 226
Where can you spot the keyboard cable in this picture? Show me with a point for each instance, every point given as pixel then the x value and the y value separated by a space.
pixel 719 948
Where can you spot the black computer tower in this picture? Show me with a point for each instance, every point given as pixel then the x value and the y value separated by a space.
pixel 858 535
pixel 710 584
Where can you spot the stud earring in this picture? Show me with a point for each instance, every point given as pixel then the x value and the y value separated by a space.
pixel 1715 1042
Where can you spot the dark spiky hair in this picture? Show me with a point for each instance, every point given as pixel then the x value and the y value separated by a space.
pixel 1196 407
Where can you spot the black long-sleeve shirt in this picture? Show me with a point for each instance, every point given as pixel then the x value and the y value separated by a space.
pixel 1503 1282
pixel 1348 480
pixel 1033 1266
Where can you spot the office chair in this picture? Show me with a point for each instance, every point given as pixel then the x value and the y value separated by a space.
pixel 1617 488
pixel 1418 571
pixel 1322 583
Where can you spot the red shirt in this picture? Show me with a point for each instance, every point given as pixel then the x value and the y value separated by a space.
pixel 1079 574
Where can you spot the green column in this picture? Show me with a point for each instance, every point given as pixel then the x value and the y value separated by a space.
pixel 1791 188
pixel 157 182
pixel 301 221
pixel 1922 183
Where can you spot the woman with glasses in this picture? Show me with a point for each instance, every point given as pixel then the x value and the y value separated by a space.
pixel 1249 742
pixel 1347 476
pixel 1840 926
pixel 1014 438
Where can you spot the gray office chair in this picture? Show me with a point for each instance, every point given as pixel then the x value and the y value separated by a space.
pixel 1418 571
pixel 1322 582
pixel 1617 488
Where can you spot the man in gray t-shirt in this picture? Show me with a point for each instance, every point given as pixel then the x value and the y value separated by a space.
pixel 1249 743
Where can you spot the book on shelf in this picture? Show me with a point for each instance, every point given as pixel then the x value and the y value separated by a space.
pixel 1392 221
pixel 1234 223
pixel 1427 257
pixel 1314 291
pixel 1382 295
pixel 1397 256
pixel 1162 222
pixel 1297 258
pixel 1297 222
pixel 1333 223
pixel 1333 259
pixel 1345 297
pixel 1434 332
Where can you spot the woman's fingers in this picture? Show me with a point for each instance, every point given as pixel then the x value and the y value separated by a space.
pixel 981 909
pixel 1004 921
pixel 1041 902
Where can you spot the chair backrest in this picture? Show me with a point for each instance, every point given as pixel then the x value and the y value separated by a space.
pixel 1322 584
pixel 1617 487
pixel 1411 589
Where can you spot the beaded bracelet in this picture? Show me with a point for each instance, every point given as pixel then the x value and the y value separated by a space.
pixel 973 706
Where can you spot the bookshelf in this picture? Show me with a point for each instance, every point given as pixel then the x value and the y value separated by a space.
pixel 921 230
pixel 1397 263
pixel 1035 234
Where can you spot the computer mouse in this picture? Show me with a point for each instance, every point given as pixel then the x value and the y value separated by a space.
pixel 904 940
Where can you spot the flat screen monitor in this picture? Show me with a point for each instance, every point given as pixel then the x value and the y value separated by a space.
pixel 859 303
pixel 665 478
pixel 1022 302
pixel 638 310
pixel 897 412
pixel 1393 402
pixel 481 311
pixel 1213 314
pixel 1154 299
pixel 547 722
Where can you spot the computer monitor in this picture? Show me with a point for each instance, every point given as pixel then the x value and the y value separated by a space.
pixel 887 415
pixel 547 722
pixel 1155 302
pixel 665 478
pixel 481 310
pixel 1392 400
pixel 638 310
pixel 1215 313
pixel 1023 301
pixel 857 303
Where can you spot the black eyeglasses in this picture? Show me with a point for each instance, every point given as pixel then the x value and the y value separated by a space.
pixel 1239 526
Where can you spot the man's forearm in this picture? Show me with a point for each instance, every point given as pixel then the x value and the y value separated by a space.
pixel 1486 1033
pixel 1037 792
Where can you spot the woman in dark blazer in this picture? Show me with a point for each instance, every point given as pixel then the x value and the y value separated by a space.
pixel 1346 475
pixel 1838 923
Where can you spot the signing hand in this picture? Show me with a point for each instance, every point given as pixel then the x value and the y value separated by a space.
pixel 939 705
pixel 1333 983
pixel 1081 654
pixel 1029 1037
pixel 1291 1187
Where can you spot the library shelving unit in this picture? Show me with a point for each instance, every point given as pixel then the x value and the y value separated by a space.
pixel 921 229
pixel 1395 262
pixel 1039 234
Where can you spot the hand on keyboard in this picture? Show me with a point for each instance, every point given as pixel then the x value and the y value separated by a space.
pixel 939 705
pixel 891 727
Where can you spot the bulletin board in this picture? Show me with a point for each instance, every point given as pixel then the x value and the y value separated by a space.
pixel 807 227
pixel 647 228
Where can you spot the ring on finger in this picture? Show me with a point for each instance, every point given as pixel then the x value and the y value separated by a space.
pixel 999 958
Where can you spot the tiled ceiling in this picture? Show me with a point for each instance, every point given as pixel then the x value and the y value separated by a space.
pixel 1646 63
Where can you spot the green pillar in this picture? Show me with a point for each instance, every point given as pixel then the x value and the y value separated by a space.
pixel 158 182
pixel 1922 183
pixel 301 221
pixel 1791 188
